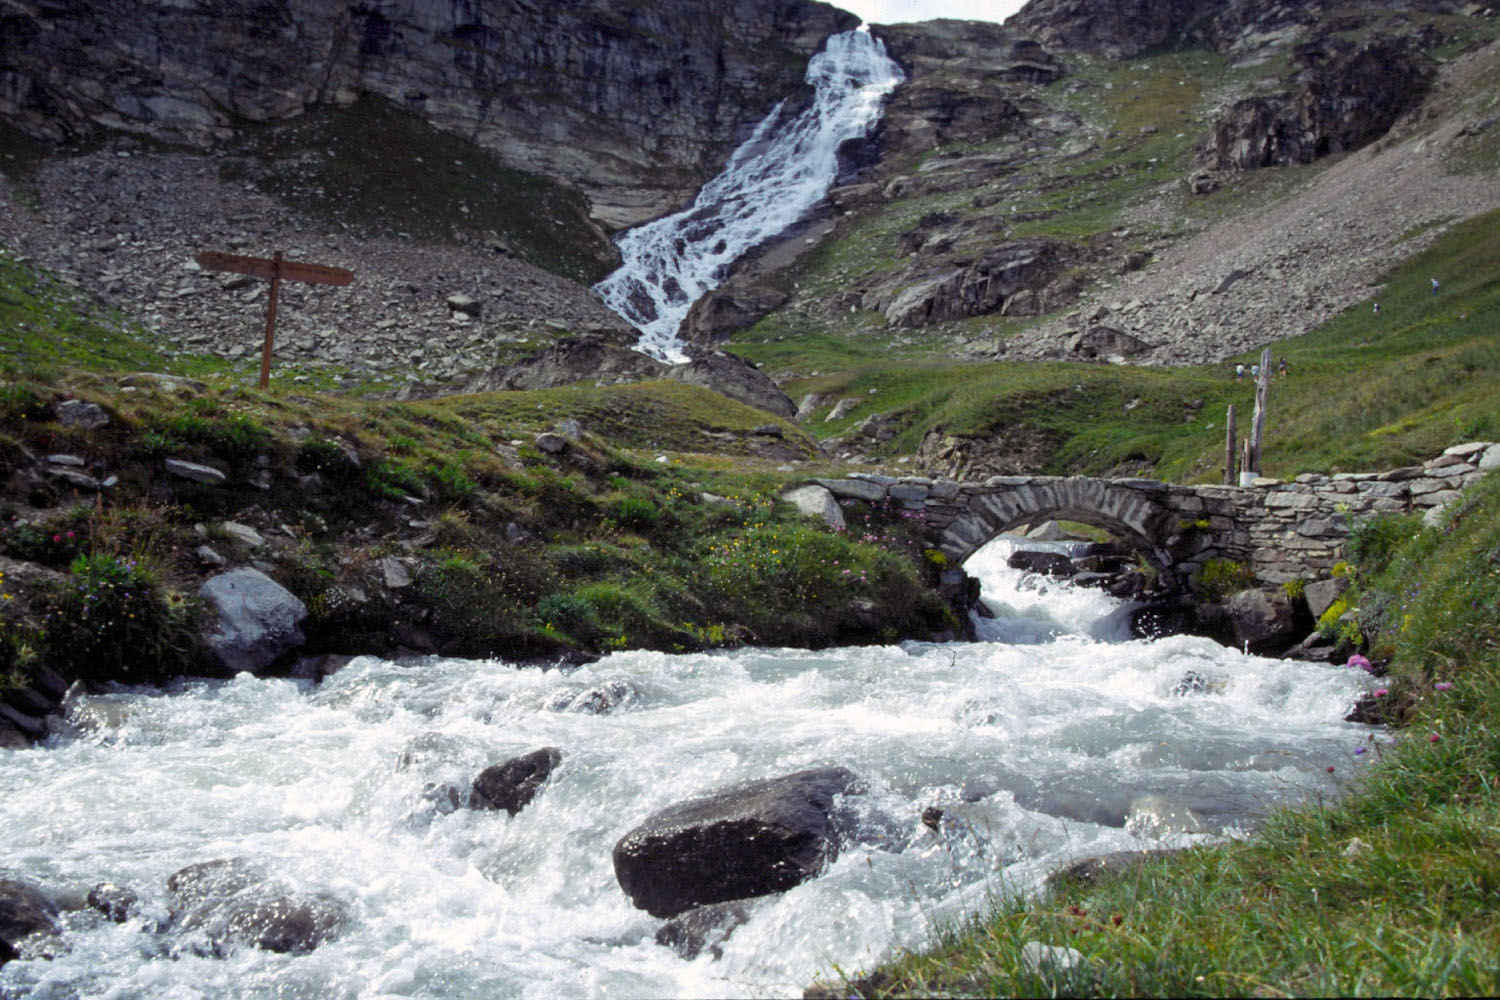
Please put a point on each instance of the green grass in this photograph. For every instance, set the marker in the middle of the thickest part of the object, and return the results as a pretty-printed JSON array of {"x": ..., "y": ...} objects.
[
  {"x": 1365, "y": 391},
  {"x": 1395, "y": 890}
]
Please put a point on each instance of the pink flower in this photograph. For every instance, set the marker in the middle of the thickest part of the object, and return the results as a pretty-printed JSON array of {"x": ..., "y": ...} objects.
[
  {"x": 1356, "y": 660},
  {"x": 1442, "y": 686},
  {"x": 1433, "y": 738},
  {"x": 1382, "y": 692},
  {"x": 57, "y": 538}
]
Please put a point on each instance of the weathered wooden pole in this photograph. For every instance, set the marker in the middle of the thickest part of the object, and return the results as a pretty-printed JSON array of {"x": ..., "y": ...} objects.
[
  {"x": 1258, "y": 421},
  {"x": 265, "y": 351},
  {"x": 1230, "y": 465},
  {"x": 275, "y": 269}
]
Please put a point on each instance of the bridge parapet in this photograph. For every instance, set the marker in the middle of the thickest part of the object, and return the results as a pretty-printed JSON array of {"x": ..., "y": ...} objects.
[{"x": 1282, "y": 530}]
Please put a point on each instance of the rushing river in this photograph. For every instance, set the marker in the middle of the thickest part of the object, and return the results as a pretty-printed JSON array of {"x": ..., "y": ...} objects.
[{"x": 1056, "y": 738}]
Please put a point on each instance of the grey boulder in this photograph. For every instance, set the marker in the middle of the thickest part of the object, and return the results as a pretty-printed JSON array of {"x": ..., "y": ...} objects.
[
  {"x": 746, "y": 840},
  {"x": 257, "y": 620}
]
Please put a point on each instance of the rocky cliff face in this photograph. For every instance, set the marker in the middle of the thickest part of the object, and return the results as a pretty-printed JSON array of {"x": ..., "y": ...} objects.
[
  {"x": 1243, "y": 28},
  {"x": 632, "y": 103}
]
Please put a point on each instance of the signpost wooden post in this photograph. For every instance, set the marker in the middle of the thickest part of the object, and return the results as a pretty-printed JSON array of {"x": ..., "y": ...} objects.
[{"x": 276, "y": 270}]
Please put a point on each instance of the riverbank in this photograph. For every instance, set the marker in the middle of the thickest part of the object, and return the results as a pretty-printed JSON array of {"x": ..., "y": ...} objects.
[
  {"x": 1391, "y": 890},
  {"x": 523, "y": 525}
]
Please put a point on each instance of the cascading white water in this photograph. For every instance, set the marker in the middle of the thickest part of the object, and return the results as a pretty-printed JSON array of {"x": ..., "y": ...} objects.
[
  {"x": 1037, "y": 751},
  {"x": 770, "y": 182}
]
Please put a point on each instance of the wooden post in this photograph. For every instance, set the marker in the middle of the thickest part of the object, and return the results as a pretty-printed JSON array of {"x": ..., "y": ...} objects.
[
  {"x": 1230, "y": 465},
  {"x": 1258, "y": 421},
  {"x": 276, "y": 270},
  {"x": 265, "y": 352}
]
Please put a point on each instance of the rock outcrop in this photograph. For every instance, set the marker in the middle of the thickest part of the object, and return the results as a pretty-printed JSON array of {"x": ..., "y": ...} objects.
[
  {"x": 1344, "y": 96},
  {"x": 632, "y": 104},
  {"x": 747, "y": 840}
]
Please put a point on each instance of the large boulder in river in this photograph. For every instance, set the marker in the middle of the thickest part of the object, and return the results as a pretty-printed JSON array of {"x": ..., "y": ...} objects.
[
  {"x": 750, "y": 839},
  {"x": 232, "y": 902},
  {"x": 513, "y": 784},
  {"x": 26, "y": 915},
  {"x": 1053, "y": 564},
  {"x": 257, "y": 620},
  {"x": 1263, "y": 620}
]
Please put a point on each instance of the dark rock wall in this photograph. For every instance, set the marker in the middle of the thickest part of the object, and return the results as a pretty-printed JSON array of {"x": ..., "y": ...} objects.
[{"x": 633, "y": 103}]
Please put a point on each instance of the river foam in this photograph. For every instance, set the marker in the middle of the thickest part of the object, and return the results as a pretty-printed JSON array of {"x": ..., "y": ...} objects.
[{"x": 1035, "y": 751}]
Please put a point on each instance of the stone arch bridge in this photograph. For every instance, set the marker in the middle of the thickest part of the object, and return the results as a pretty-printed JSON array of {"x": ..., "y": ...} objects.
[{"x": 1281, "y": 530}]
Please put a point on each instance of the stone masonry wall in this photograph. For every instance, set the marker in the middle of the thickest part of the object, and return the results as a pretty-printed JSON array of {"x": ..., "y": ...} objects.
[{"x": 1281, "y": 530}]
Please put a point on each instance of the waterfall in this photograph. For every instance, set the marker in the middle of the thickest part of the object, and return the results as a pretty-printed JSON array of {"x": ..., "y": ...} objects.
[{"x": 770, "y": 182}]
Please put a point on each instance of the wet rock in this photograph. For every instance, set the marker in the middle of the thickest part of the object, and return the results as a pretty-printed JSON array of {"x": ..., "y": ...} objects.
[
  {"x": 704, "y": 928},
  {"x": 232, "y": 902},
  {"x": 116, "y": 902},
  {"x": 257, "y": 620},
  {"x": 1053, "y": 564},
  {"x": 746, "y": 840},
  {"x": 513, "y": 784},
  {"x": 27, "y": 917},
  {"x": 1262, "y": 619},
  {"x": 595, "y": 701}
]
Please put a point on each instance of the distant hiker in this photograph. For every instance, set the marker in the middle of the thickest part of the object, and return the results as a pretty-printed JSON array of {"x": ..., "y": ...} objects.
[
  {"x": 1239, "y": 371},
  {"x": 1255, "y": 371},
  {"x": 1434, "y": 286},
  {"x": 1281, "y": 367},
  {"x": 1377, "y": 309}
]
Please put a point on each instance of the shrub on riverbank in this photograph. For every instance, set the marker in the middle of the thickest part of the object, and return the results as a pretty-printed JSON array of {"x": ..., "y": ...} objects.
[{"x": 1394, "y": 890}]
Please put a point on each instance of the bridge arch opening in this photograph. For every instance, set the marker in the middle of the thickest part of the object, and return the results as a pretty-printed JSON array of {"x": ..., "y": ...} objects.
[{"x": 1008, "y": 508}]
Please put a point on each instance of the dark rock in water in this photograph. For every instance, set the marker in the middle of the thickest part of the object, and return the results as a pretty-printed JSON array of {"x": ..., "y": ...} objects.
[
  {"x": 1191, "y": 682},
  {"x": 1158, "y": 621},
  {"x": 1051, "y": 564},
  {"x": 705, "y": 928},
  {"x": 511, "y": 785},
  {"x": 231, "y": 901},
  {"x": 1316, "y": 648},
  {"x": 25, "y": 912},
  {"x": 746, "y": 840},
  {"x": 595, "y": 701},
  {"x": 210, "y": 879},
  {"x": 116, "y": 902},
  {"x": 1262, "y": 619},
  {"x": 276, "y": 922}
]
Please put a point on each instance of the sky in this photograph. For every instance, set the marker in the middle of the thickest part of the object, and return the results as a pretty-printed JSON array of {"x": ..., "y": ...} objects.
[{"x": 897, "y": 11}]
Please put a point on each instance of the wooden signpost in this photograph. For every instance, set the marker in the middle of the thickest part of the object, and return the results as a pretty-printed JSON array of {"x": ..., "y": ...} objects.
[{"x": 276, "y": 271}]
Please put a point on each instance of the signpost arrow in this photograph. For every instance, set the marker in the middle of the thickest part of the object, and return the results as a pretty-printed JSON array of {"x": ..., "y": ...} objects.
[{"x": 276, "y": 271}]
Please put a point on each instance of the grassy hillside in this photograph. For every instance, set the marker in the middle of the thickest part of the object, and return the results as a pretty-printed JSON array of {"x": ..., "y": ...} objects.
[
  {"x": 1367, "y": 391},
  {"x": 658, "y": 526}
]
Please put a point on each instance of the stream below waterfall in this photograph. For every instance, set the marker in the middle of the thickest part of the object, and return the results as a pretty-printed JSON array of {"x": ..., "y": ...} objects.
[{"x": 1057, "y": 737}]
